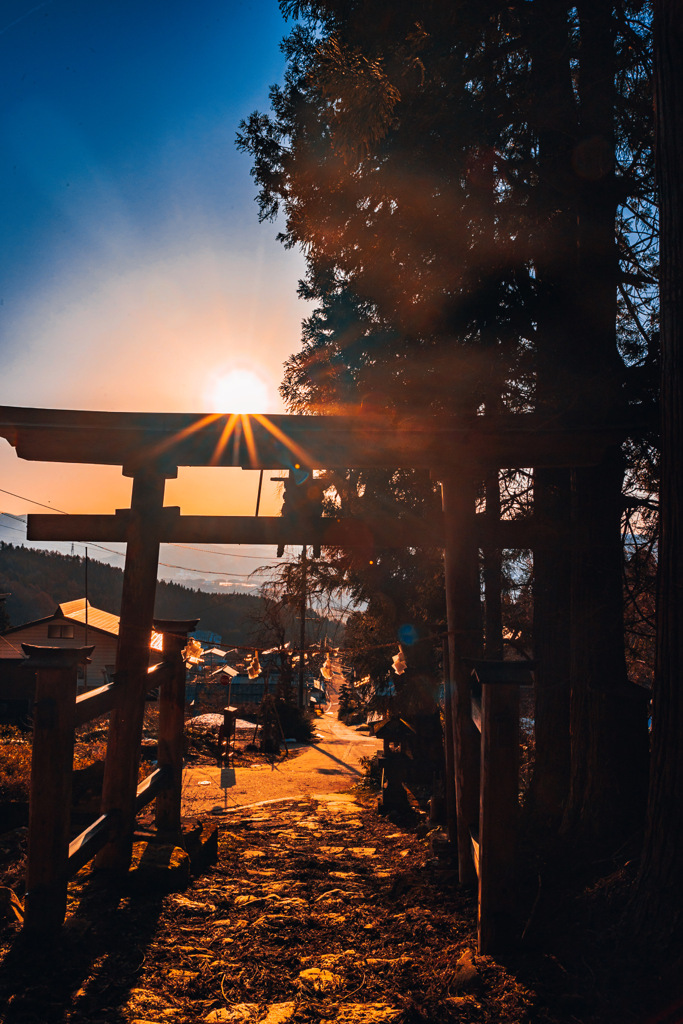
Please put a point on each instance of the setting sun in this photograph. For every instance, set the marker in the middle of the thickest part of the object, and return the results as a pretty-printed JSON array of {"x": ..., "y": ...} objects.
[{"x": 238, "y": 391}]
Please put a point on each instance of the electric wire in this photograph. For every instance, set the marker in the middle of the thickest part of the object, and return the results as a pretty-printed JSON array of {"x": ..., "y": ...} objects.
[{"x": 166, "y": 565}]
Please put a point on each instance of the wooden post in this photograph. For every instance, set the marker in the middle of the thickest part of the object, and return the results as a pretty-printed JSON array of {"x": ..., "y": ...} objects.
[
  {"x": 499, "y": 806},
  {"x": 172, "y": 722},
  {"x": 226, "y": 736},
  {"x": 464, "y": 633},
  {"x": 302, "y": 634},
  {"x": 493, "y": 575},
  {"x": 54, "y": 721},
  {"x": 449, "y": 780},
  {"x": 498, "y": 814},
  {"x": 132, "y": 660}
]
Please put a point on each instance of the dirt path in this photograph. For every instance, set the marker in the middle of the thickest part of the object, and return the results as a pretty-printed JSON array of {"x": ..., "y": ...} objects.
[
  {"x": 307, "y": 910},
  {"x": 330, "y": 766},
  {"x": 315, "y": 911}
]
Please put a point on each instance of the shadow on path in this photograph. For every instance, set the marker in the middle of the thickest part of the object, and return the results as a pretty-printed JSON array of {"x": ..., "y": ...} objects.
[
  {"x": 344, "y": 764},
  {"x": 86, "y": 971}
]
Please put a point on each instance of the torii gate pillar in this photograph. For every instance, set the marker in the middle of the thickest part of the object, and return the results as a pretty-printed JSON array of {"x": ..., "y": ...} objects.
[{"x": 143, "y": 537}]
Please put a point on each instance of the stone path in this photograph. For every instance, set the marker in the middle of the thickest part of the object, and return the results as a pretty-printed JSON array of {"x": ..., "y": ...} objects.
[
  {"x": 311, "y": 914},
  {"x": 316, "y": 910}
]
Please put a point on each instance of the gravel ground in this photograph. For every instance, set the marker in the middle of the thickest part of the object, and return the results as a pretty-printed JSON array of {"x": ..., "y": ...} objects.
[{"x": 316, "y": 910}]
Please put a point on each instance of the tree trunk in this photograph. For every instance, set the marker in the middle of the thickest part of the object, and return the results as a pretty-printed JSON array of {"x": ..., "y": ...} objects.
[
  {"x": 551, "y": 629},
  {"x": 608, "y": 715},
  {"x": 659, "y": 894},
  {"x": 556, "y": 304}
]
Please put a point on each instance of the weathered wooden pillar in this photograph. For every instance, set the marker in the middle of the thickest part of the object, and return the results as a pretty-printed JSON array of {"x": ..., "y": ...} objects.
[
  {"x": 132, "y": 661},
  {"x": 302, "y": 632},
  {"x": 54, "y": 721},
  {"x": 449, "y": 780},
  {"x": 498, "y": 813},
  {"x": 172, "y": 721},
  {"x": 493, "y": 574},
  {"x": 464, "y": 632}
]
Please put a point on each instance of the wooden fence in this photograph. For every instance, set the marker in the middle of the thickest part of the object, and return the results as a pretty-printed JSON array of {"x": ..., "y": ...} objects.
[{"x": 53, "y": 857}]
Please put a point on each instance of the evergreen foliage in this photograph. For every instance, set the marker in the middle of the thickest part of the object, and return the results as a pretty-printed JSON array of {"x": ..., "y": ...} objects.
[
  {"x": 472, "y": 186},
  {"x": 350, "y": 709}
]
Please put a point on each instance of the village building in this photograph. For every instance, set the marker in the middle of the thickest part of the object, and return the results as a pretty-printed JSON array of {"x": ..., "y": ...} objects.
[{"x": 72, "y": 624}]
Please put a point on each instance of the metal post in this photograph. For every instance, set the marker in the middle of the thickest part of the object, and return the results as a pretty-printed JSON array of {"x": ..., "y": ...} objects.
[
  {"x": 493, "y": 575},
  {"x": 258, "y": 495}
]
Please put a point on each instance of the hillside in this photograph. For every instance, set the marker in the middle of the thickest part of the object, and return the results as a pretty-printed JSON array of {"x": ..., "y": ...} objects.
[{"x": 37, "y": 581}]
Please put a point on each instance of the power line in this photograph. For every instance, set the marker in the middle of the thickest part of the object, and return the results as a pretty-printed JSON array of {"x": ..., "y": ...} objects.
[
  {"x": 166, "y": 565},
  {"x": 15, "y": 528},
  {"x": 212, "y": 572},
  {"x": 22, "y": 497},
  {"x": 208, "y": 551},
  {"x": 19, "y": 519}
]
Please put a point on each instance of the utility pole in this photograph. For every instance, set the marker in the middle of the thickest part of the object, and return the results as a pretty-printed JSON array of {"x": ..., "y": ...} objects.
[{"x": 302, "y": 635}]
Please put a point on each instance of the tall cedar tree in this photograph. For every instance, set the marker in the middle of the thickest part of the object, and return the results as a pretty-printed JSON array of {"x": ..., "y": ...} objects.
[
  {"x": 451, "y": 172},
  {"x": 659, "y": 898}
]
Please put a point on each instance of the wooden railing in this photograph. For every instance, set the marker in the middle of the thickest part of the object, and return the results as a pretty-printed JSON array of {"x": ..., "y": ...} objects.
[
  {"x": 53, "y": 857},
  {"x": 495, "y": 713}
]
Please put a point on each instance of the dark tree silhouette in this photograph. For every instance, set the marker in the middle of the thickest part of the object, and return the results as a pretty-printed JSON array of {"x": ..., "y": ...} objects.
[
  {"x": 659, "y": 899},
  {"x": 470, "y": 185}
]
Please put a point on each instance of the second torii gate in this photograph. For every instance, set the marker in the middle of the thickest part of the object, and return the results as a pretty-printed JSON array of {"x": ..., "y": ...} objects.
[{"x": 150, "y": 447}]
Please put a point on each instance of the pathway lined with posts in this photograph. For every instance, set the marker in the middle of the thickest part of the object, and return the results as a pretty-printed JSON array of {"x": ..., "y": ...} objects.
[{"x": 333, "y": 764}]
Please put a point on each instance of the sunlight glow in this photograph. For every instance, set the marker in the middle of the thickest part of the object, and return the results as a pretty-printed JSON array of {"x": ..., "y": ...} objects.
[
  {"x": 294, "y": 448},
  {"x": 226, "y": 434},
  {"x": 239, "y": 391}
]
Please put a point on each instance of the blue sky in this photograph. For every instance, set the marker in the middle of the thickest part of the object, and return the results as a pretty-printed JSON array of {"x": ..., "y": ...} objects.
[
  {"x": 134, "y": 273},
  {"x": 121, "y": 116}
]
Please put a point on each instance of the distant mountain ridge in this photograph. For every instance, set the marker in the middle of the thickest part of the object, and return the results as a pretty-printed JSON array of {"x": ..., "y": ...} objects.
[{"x": 37, "y": 581}]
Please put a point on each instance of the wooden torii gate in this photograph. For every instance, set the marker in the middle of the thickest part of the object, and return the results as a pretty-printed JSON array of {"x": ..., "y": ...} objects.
[{"x": 151, "y": 446}]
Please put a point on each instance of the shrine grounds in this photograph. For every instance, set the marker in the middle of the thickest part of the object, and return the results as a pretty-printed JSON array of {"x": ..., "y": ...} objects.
[{"x": 315, "y": 908}]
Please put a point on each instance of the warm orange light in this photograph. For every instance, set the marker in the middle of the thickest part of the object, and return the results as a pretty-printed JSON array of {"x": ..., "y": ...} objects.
[
  {"x": 199, "y": 424},
  {"x": 239, "y": 390},
  {"x": 223, "y": 439},
  {"x": 249, "y": 438},
  {"x": 295, "y": 449}
]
